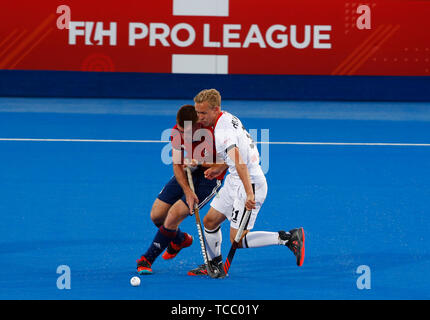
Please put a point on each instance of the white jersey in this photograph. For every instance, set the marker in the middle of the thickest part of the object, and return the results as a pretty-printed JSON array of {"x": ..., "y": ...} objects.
[{"x": 229, "y": 133}]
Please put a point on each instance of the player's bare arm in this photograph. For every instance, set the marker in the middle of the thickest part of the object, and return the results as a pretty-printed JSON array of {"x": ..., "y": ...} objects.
[
  {"x": 214, "y": 170},
  {"x": 182, "y": 180}
]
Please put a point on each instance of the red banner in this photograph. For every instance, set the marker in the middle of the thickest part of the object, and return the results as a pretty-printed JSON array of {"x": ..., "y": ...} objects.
[{"x": 307, "y": 37}]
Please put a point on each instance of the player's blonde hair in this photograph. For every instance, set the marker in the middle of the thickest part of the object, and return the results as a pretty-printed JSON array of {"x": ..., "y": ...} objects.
[{"x": 211, "y": 96}]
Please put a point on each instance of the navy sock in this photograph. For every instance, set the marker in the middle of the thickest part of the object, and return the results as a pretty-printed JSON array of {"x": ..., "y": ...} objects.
[
  {"x": 180, "y": 236},
  {"x": 160, "y": 242}
]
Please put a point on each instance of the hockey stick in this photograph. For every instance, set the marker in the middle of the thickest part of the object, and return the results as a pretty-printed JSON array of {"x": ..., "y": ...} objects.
[
  {"x": 237, "y": 239},
  {"x": 209, "y": 269}
]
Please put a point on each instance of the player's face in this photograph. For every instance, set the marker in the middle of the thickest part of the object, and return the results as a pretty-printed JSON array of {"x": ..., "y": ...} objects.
[{"x": 207, "y": 115}]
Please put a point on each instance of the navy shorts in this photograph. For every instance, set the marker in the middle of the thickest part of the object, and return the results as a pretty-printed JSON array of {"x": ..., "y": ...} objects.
[{"x": 205, "y": 189}]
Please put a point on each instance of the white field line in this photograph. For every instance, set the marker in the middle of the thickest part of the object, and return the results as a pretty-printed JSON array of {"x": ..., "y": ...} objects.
[{"x": 261, "y": 142}]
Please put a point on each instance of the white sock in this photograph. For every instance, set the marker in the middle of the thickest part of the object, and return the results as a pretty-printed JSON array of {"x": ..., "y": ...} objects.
[
  {"x": 213, "y": 242},
  {"x": 261, "y": 239}
]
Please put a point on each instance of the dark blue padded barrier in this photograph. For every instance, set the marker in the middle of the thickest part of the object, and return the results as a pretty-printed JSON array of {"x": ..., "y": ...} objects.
[{"x": 17, "y": 83}]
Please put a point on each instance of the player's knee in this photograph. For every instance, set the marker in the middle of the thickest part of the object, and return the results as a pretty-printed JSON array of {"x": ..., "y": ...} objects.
[
  {"x": 207, "y": 222},
  {"x": 158, "y": 222},
  {"x": 213, "y": 219},
  {"x": 159, "y": 212},
  {"x": 210, "y": 223},
  {"x": 157, "y": 218}
]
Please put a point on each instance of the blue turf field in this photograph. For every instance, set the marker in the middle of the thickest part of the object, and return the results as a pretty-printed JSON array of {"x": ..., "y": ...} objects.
[{"x": 86, "y": 204}]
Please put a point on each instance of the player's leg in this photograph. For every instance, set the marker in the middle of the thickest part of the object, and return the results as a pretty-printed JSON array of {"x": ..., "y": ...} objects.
[
  {"x": 213, "y": 239},
  {"x": 256, "y": 239},
  {"x": 170, "y": 193},
  {"x": 159, "y": 212},
  {"x": 213, "y": 235},
  {"x": 239, "y": 211},
  {"x": 221, "y": 206},
  {"x": 294, "y": 239},
  {"x": 159, "y": 243},
  {"x": 177, "y": 213},
  {"x": 169, "y": 235},
  {"x": 205, "y": 190}
]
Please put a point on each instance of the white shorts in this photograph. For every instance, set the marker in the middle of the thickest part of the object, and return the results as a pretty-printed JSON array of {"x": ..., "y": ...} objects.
[{"x": 230, "y": 201}]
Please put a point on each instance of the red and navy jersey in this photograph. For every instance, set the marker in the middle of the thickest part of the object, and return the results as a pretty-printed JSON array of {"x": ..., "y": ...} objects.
[{"x": 203, "y": 145}]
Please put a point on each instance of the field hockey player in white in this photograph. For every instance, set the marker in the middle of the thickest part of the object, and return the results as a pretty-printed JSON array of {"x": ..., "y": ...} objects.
[{"x": 245, "y": 188}]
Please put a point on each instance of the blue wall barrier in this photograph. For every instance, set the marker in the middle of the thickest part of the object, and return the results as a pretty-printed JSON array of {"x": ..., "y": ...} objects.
[{"x": 14, "y": 83}]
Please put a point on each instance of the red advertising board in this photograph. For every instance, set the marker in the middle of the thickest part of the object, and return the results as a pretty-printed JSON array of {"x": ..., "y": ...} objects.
[{"x": 307, "y": 37}]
